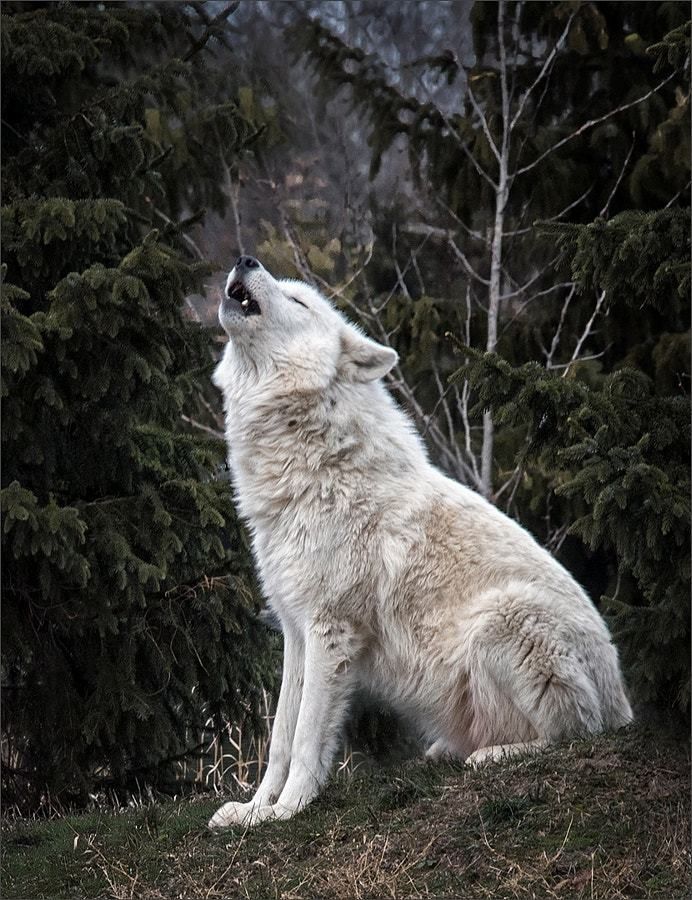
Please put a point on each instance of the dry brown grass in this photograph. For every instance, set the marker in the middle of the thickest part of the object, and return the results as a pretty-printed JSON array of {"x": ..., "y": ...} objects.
[{"x": 599, "y": 820}]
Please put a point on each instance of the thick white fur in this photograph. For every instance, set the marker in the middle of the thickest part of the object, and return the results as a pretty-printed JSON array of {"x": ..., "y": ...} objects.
[{"x": 384, "y": 572}]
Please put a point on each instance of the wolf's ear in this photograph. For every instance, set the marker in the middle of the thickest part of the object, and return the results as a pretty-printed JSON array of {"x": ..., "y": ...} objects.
[{"x": 362, "y": 359}]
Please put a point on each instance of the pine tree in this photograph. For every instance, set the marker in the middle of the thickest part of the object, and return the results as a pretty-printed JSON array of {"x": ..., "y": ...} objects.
[{"x": 129, "y": 616}]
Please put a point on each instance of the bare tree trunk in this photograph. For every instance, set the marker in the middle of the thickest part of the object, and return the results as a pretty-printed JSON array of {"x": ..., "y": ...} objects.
[
  {"x": 494, "y": 300},
  {"x": 495, "y": 286}
]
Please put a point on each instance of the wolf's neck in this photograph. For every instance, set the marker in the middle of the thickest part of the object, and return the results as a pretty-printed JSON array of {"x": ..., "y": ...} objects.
[{"x": 284, "y": 444}]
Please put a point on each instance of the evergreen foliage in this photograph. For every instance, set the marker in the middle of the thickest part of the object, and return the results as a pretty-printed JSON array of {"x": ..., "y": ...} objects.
[{"x": 129, "y": 617}]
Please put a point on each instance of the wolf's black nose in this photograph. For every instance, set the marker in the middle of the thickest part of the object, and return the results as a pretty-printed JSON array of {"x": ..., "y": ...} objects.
[{"x": 247, "y": 262}]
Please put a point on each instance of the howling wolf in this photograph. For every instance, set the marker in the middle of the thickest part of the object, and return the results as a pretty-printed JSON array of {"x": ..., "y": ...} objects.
[{"x": 385, "y": 573}]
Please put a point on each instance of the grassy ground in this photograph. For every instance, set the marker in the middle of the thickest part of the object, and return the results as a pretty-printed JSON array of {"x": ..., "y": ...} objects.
[{"x": 603, "y": 819}]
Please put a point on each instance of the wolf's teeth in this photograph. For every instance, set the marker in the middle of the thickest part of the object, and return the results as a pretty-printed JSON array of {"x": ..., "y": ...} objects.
[{"x": 244, "y": 302}]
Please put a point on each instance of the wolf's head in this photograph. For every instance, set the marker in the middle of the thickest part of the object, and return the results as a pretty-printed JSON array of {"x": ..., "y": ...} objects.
[{"x": 288, "y": 325}]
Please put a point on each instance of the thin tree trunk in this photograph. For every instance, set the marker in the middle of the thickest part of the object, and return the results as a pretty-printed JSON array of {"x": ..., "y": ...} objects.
[
  {"x": 494, "y": 294},
  {"x": 495, "y": 286}
]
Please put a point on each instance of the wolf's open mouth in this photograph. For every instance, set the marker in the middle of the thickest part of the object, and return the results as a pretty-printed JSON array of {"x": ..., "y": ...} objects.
[{"x": 249, "y": 305}]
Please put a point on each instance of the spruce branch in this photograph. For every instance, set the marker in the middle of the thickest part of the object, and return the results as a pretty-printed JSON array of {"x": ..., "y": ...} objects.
[{"x": 213, "y": 28}]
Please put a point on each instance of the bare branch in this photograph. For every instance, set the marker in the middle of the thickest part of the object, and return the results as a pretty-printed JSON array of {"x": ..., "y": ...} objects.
[
  {"x": 186, "y": 237},
  {"x": 511, "y": 483},
  {"x": 413, "y": 259},
  {"x": 494, "y": 291},
  {"x": 484, "y": 122},
  {"x": 579, "y": 359},
  {"x": 233, "y": 192},
  {"x": 536, "y": 296},
  {"x": 448, "y": 457},
  {"x": 592, "y": 122},
  {"x": 202, "y": 427},
  {"x": 445, "y": 409},
  {"x": 463, "y": 408},
  {"x": 518, "y": 9},
  {"x": 487, "y": 453},
  {"x": 679, "y": 193},
  {"x": 503, "y": 75},
  {"x": 527, "y": 284},
  {"x": 558, "y": 331},
  {"x": 194, "y": 315},
  {"x": 467, "y": 324},
  {"x": 585, "y": 335},
  {"x": 604, "y": 211},
  {"x": 377, "y": 310},
  {"x": 448, "y": 235},
  {"x": 463, "y": 399},
  {"x": 461, "y": 256},
  {"x": 477, "y": 235},
  {"x": 397, "y": 267},
  {"x": 338, "y": 292},
  {"x": 547, "y": 65},
  {"x": 299, "y": 259},
  {"x": 457, "y": 137},
  {"x": 429, "y": 230},
  {"x": 556, "y": 216},
  {"x": 476, "y": 165}
]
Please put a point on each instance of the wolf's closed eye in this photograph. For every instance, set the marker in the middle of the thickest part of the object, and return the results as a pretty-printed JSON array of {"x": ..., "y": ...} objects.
[{"x": 300, "y": 302}]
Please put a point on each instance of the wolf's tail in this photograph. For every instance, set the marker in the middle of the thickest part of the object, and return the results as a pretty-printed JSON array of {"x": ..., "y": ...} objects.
[
  {"x": 607, "y": 678},
  {"x": 564, "y": 686}
]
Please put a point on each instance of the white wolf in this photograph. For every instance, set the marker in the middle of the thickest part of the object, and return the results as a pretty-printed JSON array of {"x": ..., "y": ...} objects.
[{"x": 383, "y": 572}]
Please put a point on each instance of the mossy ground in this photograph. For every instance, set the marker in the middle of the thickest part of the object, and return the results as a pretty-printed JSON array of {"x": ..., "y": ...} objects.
[{"x": 601, "y": 819}]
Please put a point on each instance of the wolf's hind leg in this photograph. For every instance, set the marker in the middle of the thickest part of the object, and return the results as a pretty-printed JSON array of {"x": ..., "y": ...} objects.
[{"x": 531, "y": 684}]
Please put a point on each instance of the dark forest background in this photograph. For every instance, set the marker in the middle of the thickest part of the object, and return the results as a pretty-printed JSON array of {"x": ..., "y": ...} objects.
[{"x": 501, "y": 191}]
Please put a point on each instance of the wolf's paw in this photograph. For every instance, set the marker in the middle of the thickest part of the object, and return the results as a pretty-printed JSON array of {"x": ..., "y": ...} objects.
[
  {"x": 246, "y": 814},
  {"x": 482, "y": 756},
  {"x": 503, "y": 752},
  {"x": 440, "y": 751}
]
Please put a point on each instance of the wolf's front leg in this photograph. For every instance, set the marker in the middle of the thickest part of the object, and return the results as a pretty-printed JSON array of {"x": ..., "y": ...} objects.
[
  {"x": 282, "y": 734},
  {"x": 330, "y": 655}
]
